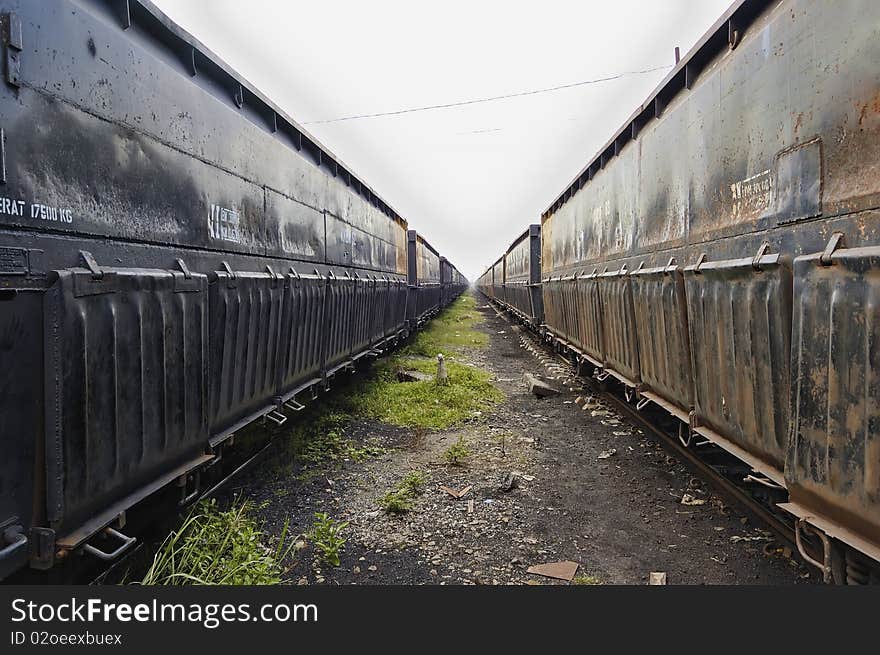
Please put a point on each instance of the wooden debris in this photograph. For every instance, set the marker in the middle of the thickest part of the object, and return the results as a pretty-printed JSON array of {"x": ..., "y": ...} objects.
[
  {"x": 657, "y": 578},
  {"x": 540, "y": 388},
  {"x": 559, "y": 570},
  {"x": 457, "y": 494}
]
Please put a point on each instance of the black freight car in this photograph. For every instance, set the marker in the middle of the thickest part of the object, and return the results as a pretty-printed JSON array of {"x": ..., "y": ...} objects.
[
  {"x": 424, "y": 279},
  {"x": 522, "y": 277},
  {"x": 452, "y": 282},
  {"x": 719, "y": 257},
  {"x": 177, "y": 258}
]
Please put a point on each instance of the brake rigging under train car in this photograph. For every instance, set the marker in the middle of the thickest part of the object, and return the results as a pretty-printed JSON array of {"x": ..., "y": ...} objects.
[{"x": 178, "y": 258}]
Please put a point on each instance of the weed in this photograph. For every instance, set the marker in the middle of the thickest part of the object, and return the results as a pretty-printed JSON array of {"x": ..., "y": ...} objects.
[
  {"x": 218, "y": 547},
  {"x": 318, "y": 441},
  {"x": 450, "y": 331},
  {"x": 396, "y": 502},
  {"x": 325, "y": 535},
  {"x": 424, "y": 404},
  {"x": 414, "y": 483},
  {"x": 457, "y": 452},
  {"x": 586, "y": 580}
]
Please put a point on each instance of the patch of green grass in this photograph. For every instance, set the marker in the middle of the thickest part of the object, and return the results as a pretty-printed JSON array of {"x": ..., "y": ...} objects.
[
  {"x": 323, "y": 441},
  {"x": 586, "y": 580},
  {"x": 218, "y": 547},
  {"x": 400, "y": 499},
  {"x": 414, "y": 483},
  {"x": 457, "y": 452},
  {"x": 451, "y": 331},
  {"x": 318, "y": 442},
  {"x": 424, "y": 404},
  {"x": 325, "y": 535},
  {"x": 396, "y": 502}
]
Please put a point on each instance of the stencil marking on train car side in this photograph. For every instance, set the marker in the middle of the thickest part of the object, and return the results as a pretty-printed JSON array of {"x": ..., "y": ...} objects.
[
  {"x": 35, "y": 210},
  {"x": 752, "y": 195},
  {"x": 223, "y": 224}
]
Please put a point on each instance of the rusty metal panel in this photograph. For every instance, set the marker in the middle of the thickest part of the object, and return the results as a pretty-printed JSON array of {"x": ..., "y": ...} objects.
[
  {"x": 126, "y": 355},
  {"x": 833, "y": 463},
  {"x": 186, "y": 148},
  {"x": 660, "y": 307},
  {"x": 245, "y": 331},
  {"x": 551, "y": 290},
  {"x": 588, "y": 308},
  {"x": 617, "y": 318},
  {"x": 522, "y": 275},
  {"x": 301, "y": 345},
  {"x": 739, "y": 320},
  {"x": 737, "y": 140}
]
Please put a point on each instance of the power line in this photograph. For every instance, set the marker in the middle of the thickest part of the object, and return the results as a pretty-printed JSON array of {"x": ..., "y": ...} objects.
[{"x": 476, "y": 101}]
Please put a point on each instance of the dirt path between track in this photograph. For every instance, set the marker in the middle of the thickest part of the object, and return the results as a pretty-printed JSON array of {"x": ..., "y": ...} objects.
[{"x": 619, "y": 516}]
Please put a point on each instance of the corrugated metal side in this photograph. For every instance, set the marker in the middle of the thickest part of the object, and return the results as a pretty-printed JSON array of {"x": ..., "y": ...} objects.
[
  {"x": 337, "y": 321},
  {"x": 589, "y": 309},
  {"x": 125, "y": 375},
  {"x": 395, "y": 318},
  {"x": 617, "y": 318},
  {"x": 302, "y": 332},
  {"x": 834, "y": 460},
  {"x": 245, "y": 331},
  {"x": 572, "y": 314},
  {"x": 660, "y": 308},
  {"x": 739, "y": 318},
  {"x": 21, "y": 408},
  {"x": 363, "y": 319}
]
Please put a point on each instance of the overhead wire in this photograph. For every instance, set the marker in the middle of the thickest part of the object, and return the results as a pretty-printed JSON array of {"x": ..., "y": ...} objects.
[{"x": 475, "y": 101}]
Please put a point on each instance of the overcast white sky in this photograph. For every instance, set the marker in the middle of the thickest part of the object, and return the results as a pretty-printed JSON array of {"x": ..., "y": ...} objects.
[{"x": 471, "y": 178}]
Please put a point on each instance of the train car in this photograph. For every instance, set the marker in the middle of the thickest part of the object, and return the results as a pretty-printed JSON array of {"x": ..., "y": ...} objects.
[
  {"x": 496, "y": 283},
  {"x": 719, "y": 258},
  {"x": 452, "y": 283},
  {"x": 459, "y": 283},
  {"x": 423, "y": 279},
  {"x": 522, "y": 277},
  {"x": 484, "y": 283},
  {"x": 178, "y": 258}
]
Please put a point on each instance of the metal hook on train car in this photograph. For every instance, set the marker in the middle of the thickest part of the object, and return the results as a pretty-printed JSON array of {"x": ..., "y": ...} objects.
[
  {"x": 623, "y": 269},
  {"x": 110, "y": 532},
  {"x": 91, "y": 264},
  {"x": 182, "y": 481},
  {"x": 762, "y": 250},
  {"x": 690, "y": 434},
  {"x": 276, "y": 417},
  {"x": 187, "y": 274},
  {"x": 670, "y": 266},
  {"x": 824, "y": 566},
  {"x": 700, "y": 260},
  {"x": 640, "y": 266},
  {"x": 294, "y": 405},
  {"x": 763, "y": 481},
  {"x": 643, "y": 402},
  {"x": 833, "y": 244},
  {"x": 602, "y": 375},
  {"x": 628, "y": 394}
]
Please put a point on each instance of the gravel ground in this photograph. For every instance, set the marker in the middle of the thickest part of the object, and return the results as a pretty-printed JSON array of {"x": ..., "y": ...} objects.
[{"x": 588, "y": 488}]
